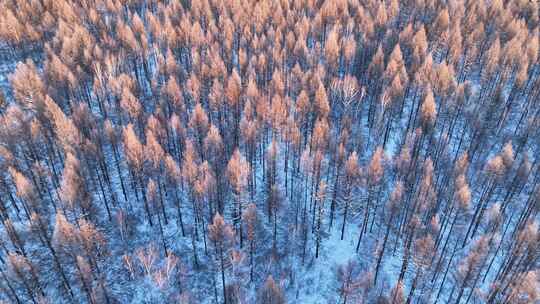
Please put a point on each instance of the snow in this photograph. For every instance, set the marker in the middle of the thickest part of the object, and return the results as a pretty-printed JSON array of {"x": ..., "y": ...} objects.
[{"x": 322, "y": 275}]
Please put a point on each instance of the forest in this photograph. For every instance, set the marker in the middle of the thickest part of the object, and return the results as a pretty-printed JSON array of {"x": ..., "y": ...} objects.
[{"x": 269, "y": 151}]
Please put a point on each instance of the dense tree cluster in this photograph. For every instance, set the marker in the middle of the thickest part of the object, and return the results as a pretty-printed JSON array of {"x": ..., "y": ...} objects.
[{"x": 212, "y": 151}]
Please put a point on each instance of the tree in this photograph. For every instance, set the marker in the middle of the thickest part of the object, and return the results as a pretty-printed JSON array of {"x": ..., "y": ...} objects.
[
  {"x": 319, "y": 203},
  {"x": 94, "y": 250},
  {"x": 113, "y": 137},
  {"x": 374, "y": 176},
  {"x": 396, "y": 294},
  {"x": 134, "y": 151},
  {"x": 424, "y": 248},
  {"x": 66, "y": 239},
  {"x": 251, "y": 221},
  {"x": 238, "y": 172},
  {"x": 348, "y": 278},
  {"x": 131, "y": 106},
  {"x": 199, "y": 124},
  {"x": 428, "y": 111},
  {"x": 3, "y": 101},
  {"x": 73, "y": 189},
  {"x": 339, "y": 159},
  {"x": 331, "y": 48},
  {"x": 151, "y": 190},
  {"x": 232, "y": 91},
  {"x": 222, "y": 236},
  {"x": 461, "y": 205},
  {"x": 392, "y": 209},
  {"x": 25, "y": 190},
  {"x": 274, "y": 202},
  {"x": 25, "y": 272},
  {"x": 470, "y": 265},
  {"x": 351, "y": 175},
  {"x": 28, "y": 87},
  {"x": 173, "y": 179},
  {"x": 322, "y": 107},
  {"x": 236, "y": 287},
  {"x": 271, "y": 293},
  {"x": 154, "y": 154}
]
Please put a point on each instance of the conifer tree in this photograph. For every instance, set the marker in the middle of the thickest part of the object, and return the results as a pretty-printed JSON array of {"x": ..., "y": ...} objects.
[
  {"x": 271, "y": 293},
  {"x": 348, "y": 277},
  {"x": 222, "y": 236},
  {"x": 251, "y": 221},
  {"x": 238, "y": 172},
  {"x": 351, "y": 178}
]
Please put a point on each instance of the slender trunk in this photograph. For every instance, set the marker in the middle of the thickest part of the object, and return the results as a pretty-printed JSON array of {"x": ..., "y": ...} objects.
[
  {"x": 413, "y": 287},
  {"x": 161, "y": 201},
  {"x": 14, "y": 294},
  {"x": 251, "y": 261},
  {"x": 83, "y": 282},
  {"x": 145, "y": 201},
  {"x": 117, "y": 163},
  {"x": 221, "y": 260},
  {"x": 347, "y": 203},
  {"x": 462, "y": 287},
  {"x": 163, "y": 241},
  {"x": 179, "y": 210},
  {"x": 334, "y": 195},
  {"x": 194, "y": 247},
  {"x": 446, "y": 272},
  {"x": 381, "y": 254},
  {"x": 366, "y": 218},
  {"x": 275, "y": 231}
]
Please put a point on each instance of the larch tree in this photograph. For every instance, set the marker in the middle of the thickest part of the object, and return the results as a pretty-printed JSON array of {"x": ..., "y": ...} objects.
[
  {"x": 153, "y": 202},
  {"x": 232, "y": 92},
  {"x": 424, "y": 248},
  {"x": 73, "y": 190},
  {"x": 199, "y": 124},
  {"x": 222, "y": 236},
  {"x": 238, "y": 173},
  {"x": 271, "y": 293},
  {"x": 173, "y": 180},
  {"x": 24, "y": 271},
  {"x": 349, "y": 281},
  {"x": 214, "y": 149},
  {"x": 397, "y": 294},
  {"x": 392, "y": 209},
  {"x": 319, "y": 205},
  {"x": 428, "y": 111},
  {"x": 352, "y": 173},
  {"x": 134, "y": 151},
  {"x": 65, "y": 239},
  {"x": 251, "y": 221},
  {"x": 470, "y": 265},
  {"x": 113, "y": 137},
  {"x": 375, "y": 173},
  {"x": 339, "y": 160},
  {"x": 154, "y": 154}
]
